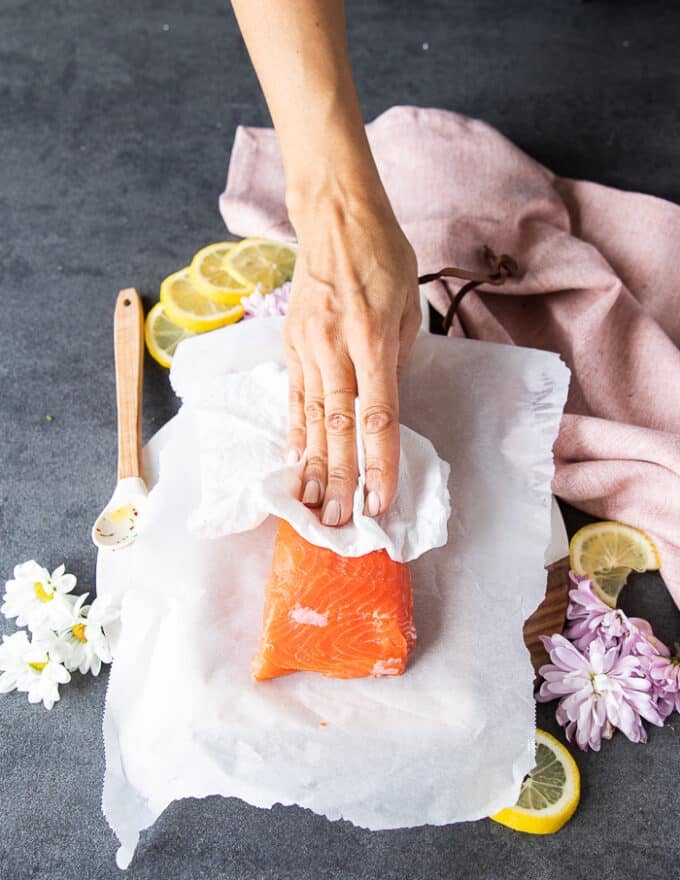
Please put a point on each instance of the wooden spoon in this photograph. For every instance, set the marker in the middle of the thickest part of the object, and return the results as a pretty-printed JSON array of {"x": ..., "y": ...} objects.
[{"x": 117, "y": 524}]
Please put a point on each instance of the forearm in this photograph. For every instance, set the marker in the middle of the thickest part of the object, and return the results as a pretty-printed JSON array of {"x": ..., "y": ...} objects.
[{"x": 299, "y": 51}]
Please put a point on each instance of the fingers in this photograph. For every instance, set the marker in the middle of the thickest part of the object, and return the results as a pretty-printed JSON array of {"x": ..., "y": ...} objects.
[
  {"x": 297, "y": 425},
  {"x": 339, "y": 394},
  {"x": 325, "y": 377},
  {"x": 379, "y": 407},
  {"x": 322, "y": 418},
  {"x": 314, "y": 477}
]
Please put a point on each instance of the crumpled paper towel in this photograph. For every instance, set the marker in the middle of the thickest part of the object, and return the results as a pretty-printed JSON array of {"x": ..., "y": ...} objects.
[
  {"x": 452, "y": 739},
  {"x": 241, "y": 419}
]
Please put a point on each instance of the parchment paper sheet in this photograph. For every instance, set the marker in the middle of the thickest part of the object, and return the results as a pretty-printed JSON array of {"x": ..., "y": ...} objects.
[{"x": 450, "y": 740}]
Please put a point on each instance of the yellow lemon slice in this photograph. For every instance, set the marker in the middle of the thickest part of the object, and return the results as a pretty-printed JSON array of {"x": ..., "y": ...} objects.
[
  {"x": 607, "y": 552},
  {"x": 187, "y": 308},
  {"x": 210, "y": 275},
  {"x": 549, "y": 794},
  {"x": 162, "y": 336},
  {"x": 257, "y": 261}
]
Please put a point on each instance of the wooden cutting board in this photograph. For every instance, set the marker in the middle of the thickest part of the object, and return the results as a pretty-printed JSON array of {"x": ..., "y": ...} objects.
[{"x": 550, "y": 615}]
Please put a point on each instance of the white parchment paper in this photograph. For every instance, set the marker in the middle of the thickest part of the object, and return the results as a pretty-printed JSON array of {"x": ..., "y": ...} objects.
[{"x": 450, "y": 740}]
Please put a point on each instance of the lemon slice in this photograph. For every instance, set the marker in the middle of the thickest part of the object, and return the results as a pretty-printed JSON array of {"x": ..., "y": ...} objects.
[
  {"x": 607, "y": 552},
  {"x": 549, "y": 794},
  {"x": 187, "y": 308},
  {"x": 162, "y": 336},
  {"x": 210, "y": 275},
  {"x": 257, "y": 261}
]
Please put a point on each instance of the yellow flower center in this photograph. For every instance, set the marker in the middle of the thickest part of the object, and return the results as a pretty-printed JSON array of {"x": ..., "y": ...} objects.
[
  {"x": 78, "y": 630},
  {"x": 41, "y": 593},
  {"x": 38, "y": 666}
]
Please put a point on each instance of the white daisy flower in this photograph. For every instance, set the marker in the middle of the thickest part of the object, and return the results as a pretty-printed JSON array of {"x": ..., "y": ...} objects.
[
  {"x": 12, "y": 664},
  {"x": 34, "y": 668},
  {"x": 37, "y": 598},
  {"x": 84, "y": 638}
]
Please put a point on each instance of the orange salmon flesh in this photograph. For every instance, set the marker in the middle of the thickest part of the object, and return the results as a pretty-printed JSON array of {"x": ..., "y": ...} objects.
[{"x": 344, "y": 617}]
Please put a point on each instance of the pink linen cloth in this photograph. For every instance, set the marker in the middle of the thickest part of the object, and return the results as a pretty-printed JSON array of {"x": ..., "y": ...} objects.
[{"x": 600, "y": 284}]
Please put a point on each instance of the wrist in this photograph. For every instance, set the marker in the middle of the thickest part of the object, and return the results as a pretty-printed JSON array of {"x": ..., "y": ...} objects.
[{"x": 339, "y": 179}]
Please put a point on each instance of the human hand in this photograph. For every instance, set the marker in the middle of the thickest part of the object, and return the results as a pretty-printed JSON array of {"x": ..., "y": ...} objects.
[
  {"x": 353, "y": 316},
  {"x": 354, "y": 306}
]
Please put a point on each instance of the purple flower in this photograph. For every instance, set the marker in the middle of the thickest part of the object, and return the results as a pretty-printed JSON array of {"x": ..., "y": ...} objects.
[
  {"x": 664, "y": 674},
  {"x": 598, "y": 690},
  {"x": 592, "y": 619},
  {"x": 615, "y": 673},
  {"x": 259, "y": 305},
  {"x": 645, "y": 644},
  {"x": 661, "y": 669}
]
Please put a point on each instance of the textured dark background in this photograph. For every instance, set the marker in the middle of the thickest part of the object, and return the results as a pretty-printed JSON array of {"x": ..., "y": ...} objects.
[{"x": 116, "y": 121}]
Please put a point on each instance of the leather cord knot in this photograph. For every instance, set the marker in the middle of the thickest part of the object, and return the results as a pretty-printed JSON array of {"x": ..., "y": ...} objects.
[{"x": 500, "y": 268}]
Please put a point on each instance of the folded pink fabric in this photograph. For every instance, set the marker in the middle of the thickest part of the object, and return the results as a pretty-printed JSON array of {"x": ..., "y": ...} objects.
[{"x": 600, "y": 285}]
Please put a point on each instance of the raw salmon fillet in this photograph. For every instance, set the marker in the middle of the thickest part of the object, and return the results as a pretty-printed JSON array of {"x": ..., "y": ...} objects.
[{"x": 345, "y": 617}]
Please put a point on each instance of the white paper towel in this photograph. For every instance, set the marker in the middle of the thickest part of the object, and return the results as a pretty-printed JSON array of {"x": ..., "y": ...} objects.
[
  {"x": 241, "y": 420},
  {"x": 450, "y": 740}
]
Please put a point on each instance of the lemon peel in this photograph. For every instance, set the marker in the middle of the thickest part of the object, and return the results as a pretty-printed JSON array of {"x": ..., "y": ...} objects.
[{"x": 550, "y": 793}]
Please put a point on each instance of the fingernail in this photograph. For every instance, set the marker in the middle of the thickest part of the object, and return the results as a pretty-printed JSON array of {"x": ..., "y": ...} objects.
[
  {"x": 331, "y": 515},
  {"x": 372, "y": 504},
  {"x": 293, "y": 456},
  {"x": 312, "y": 493}
]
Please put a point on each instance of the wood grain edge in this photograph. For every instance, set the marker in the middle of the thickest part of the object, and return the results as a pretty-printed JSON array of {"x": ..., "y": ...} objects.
[{"x": 550, "y": 615}]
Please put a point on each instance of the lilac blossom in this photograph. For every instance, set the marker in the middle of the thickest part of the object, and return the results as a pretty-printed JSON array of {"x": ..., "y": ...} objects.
[
  {"x": 661, "y": 668},
  {"x": 591, "y": 618},
  {"x": 267, "y": 305},
  {"x": 664, "y": 673},
  {"x": 599, "y": 689}
]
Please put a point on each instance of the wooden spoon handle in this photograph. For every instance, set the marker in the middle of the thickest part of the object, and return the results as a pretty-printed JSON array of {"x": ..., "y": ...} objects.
[{"x": 128, "y": 322}]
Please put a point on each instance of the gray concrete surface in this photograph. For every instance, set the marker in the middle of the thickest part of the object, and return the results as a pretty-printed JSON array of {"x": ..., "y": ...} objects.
[{"x": 116, "y": 122}]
